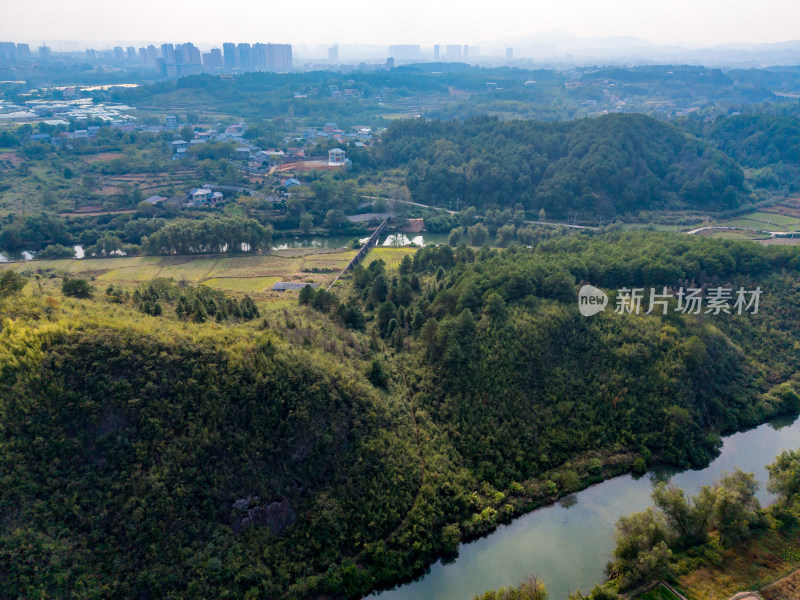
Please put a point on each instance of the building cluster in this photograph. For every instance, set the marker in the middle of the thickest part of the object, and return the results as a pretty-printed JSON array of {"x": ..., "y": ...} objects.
[
  {"x": 11, "y": 52},
  {"x": 176, "y": 60}
]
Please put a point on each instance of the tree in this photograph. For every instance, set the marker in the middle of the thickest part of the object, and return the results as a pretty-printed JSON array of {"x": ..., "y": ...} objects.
[
  {"x": 11, "y": 282},
  {"x": 376, "y": 374},
  {"x": 145, "y": 209},
  {"x": 735, "y": 506},
  {"x": 306, "y": 223},
  {"x": 335, "y": 219},
  {"x": 532, "y": 589},
  {"x": 641, "y": 553},
  {"x": 77, "y": 288},
  {"x": 186, "y": 133},
  {"x": 542, "y": 215},
  {"x": 306, "y": 294},
  {"x": 784, "y": 476},
  {"x": 57, "y": 251},
  {"x": 688, "y": 519},
  {"x": 478, "y": 235}
]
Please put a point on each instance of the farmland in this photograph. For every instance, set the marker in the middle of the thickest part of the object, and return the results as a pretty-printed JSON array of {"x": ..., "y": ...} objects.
[
  {"x": 254, "y": 275},
  {"x": 765, "y": 221}
]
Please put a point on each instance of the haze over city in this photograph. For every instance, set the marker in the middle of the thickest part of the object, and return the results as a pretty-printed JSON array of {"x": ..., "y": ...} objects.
[{"x": 684, "y": 22}]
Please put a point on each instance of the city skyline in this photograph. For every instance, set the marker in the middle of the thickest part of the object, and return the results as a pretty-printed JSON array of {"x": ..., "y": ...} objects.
[{"x": 682, "y": 22}]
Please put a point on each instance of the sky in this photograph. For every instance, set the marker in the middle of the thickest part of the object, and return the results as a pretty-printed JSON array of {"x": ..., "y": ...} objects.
[{"x": 381, "y": 22}]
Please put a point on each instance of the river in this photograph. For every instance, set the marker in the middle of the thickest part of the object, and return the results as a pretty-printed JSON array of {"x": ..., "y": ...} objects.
[
  {"x": 319, "y": 242},
  {"x": 567, "y": 546},
  {"x": 420, "y": 239}
]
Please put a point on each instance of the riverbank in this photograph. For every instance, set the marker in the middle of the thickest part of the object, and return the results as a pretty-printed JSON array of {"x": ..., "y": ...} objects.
[
  {"x": 566, "y": 539},
  {"x": 761, "y": 563}
]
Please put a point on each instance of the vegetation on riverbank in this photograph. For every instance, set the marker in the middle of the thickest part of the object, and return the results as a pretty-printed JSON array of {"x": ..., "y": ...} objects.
[{"x": 716, "y": 543}]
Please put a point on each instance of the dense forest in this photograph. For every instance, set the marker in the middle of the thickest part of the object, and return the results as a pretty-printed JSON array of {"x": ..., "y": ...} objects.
[
  {"x": 766, "y": 142},
  {"x": 610, "y": 165},
  {"x": 344, "y": 442}
]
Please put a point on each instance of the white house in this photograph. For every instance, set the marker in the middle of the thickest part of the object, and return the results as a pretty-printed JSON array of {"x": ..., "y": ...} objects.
[{"x": 336, "y": 156}]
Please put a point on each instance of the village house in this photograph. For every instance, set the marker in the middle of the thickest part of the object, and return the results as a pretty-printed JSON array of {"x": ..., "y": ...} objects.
[
  {"x": 290, "y": 183},
  {"x": 204, "y": 196},
  {"x": 336, "y": 157}
]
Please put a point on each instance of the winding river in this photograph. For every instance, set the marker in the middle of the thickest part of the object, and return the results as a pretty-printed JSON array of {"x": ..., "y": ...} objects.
[{"x": 567, "y": 545}]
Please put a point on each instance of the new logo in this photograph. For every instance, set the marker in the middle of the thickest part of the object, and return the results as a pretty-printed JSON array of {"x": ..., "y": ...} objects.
[{"x": 591, "y": 300}]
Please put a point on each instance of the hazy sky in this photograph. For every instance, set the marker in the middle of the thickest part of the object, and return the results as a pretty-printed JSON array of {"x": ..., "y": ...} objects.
[{"x": 696, "y": 22}]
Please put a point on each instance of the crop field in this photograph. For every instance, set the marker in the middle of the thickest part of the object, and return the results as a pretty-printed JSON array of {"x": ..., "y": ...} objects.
[
  {"x": 254, "y": 275},
  {"x": 391, "y": 256},
  {"x": 270, "y": 265},
  {"x": 335, "y": 261}
]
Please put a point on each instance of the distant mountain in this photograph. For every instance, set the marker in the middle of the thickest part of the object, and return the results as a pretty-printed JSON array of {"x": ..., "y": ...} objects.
[{"x": 567, "y": 47}]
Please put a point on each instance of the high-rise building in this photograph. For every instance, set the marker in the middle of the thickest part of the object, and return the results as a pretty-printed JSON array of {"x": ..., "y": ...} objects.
[
  {"x": 453, "y": 51},
  {"x": 213, "y": 59},
  {"x": 405, "y": 51},
  {"x": 187, "y": 54},
  {"x": 279, "y": 57},
  {"x": 244, "y": 55},
  {"x": 143, "y": 55},
  {"x": 91, "y": 54},
  {"x": 168, "y": 53},
  {"x": 119, "y": 53},
  {"x": 333, "y": 53},
  {"x": 509, "y": 53},
  {"x": 436, "y": 52},
  {"x": 8, "y": 51},
  {"x": 258, "y": 55},
  {"x": 44, "y": 51},
  {"x": 23, "y": 52},
  {"x": 131, "y": 53},
  {"x": 229, "y": 54},
  {"x": 152, "y": 55}
]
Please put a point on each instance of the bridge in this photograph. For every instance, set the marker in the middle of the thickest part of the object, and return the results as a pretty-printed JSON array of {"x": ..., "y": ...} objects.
[{"x": 363, "y": 251}]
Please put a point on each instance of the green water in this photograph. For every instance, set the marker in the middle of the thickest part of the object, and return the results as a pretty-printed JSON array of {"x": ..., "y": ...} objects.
[{"x": 568, "y": 546}]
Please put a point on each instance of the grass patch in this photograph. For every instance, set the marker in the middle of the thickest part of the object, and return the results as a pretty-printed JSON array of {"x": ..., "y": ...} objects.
[
  {"x": 751, "y": 566},
  {"x": 257, "y": 266},
  {"x": 733, "y": 235},
  {"x": 764, "y": 220},
  {"x": 250, "y": 285}
]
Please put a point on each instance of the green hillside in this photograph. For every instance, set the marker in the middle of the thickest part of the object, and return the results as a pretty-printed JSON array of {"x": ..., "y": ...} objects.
[
  {"x": 600, "y": 167},
  {"x": 339, "y": 445}
]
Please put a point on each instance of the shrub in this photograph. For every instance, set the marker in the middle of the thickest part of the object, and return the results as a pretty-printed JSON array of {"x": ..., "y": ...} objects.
[{"x": 77, "y": 288}]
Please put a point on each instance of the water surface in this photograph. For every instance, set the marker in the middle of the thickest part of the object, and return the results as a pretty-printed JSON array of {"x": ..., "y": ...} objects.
[{"x": 568, "y": 547}]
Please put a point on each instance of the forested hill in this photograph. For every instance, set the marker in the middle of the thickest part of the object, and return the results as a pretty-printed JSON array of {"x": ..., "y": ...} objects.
[
  {"x": 335, "y": 446},
  {"x": 600, "y": 167}
]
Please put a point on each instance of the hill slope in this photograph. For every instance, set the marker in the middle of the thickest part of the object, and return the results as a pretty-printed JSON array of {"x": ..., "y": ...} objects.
[{"x": 601, "y": 167}]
